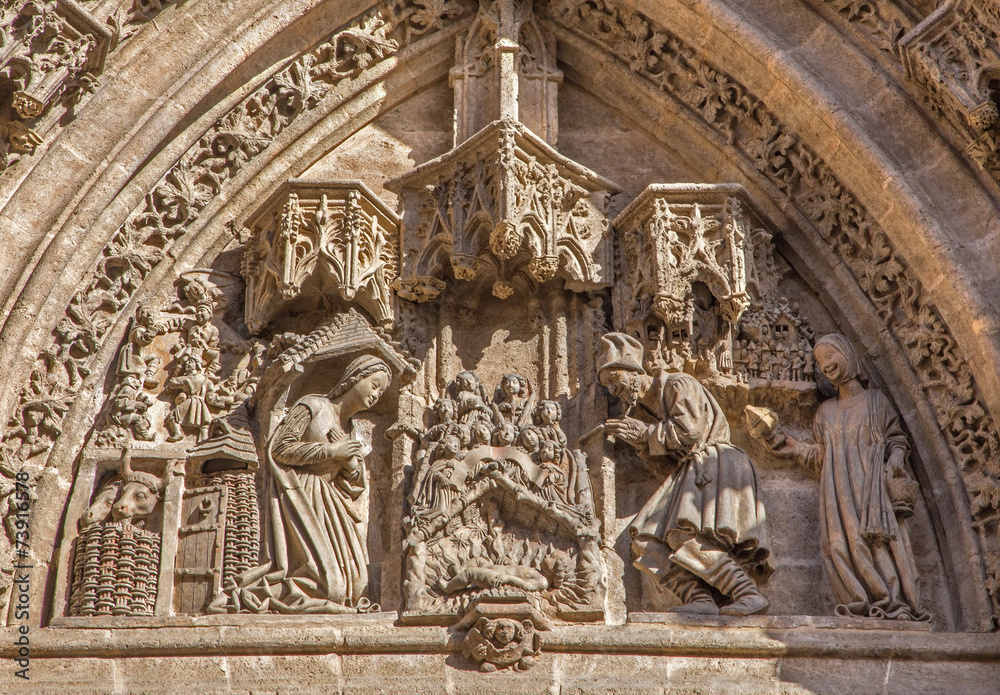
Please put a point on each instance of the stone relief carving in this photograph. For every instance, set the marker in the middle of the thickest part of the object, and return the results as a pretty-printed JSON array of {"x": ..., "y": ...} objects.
[
  {"x": 673, "y": 66},
  {"x": 775, "y": 344},
  {"x": 498, "y": 472},
  {"x": 947, "y": 52},
  {"x": 319, "y": 239},
  {"x": 501, "y": 644},
  {"x": 501, "y": 508},
  {"x": 699, "y": 286},
  {"x": 116, "y": 558},
  {"x": 503, "y": 206},
  {"x": 219, "y": 535},
  {"x": 685, "y": 254},
  {"x": 318, "y": 556},
  {"x": 177, "y": 354},
  {"x": 49, "y": 52},
  {"x": 704, "y": 531},
  {"x": 865, "y": 491},
  {"x": 884, "y": 23},
  {"x": 505, "y": 44},
  {"x": 127, "y": 19}
]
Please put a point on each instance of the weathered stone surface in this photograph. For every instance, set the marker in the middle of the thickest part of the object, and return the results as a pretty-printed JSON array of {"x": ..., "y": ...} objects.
[{"x": 303, "y": 305}]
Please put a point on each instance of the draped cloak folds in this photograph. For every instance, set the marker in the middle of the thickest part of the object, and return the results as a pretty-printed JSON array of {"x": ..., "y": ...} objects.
[
  {"x": 712, "y": 492},
  {"x": 866, "y": 551},
  {"x": 318, "y": 557}
]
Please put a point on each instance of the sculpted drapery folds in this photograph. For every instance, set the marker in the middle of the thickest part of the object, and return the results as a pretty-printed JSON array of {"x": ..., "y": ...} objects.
[
  {"x": 493, "y": 491},
  {"x": 861, "y": 450},
  {"x": 317, "y": 557},
  {"x": 706, "y": 522}
]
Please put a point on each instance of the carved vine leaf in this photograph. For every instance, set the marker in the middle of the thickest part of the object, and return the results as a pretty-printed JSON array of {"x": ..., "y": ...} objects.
[
  {"x": 985, "y": 493},
  {"x": 710, "y": 91},
  {"x": 985, "y": 151},
  {"x": 769, "y": 150},
  {"x": 839, "y": 218},
  {"x": 200, "y": 175}
]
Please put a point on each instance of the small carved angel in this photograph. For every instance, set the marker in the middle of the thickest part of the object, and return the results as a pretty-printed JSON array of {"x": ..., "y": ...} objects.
[
  {"x": 446, "y": 423},
  {"x": 471, "y": 398},
  {"x": 501, "y": 644},
  {"x": 547, "y": 417},
  {"x": 514, "y": 399}
]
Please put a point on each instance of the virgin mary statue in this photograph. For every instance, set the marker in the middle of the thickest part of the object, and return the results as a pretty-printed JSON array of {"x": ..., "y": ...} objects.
[{"x": 317, "y": 557}]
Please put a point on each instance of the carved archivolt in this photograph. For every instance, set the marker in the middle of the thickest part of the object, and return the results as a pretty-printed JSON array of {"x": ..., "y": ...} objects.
[{"x": 503, "y": 207}]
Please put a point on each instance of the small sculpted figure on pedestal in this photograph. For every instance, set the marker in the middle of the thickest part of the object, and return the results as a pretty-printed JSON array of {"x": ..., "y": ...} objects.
[
  {"x": 705, "y": 527},
  {"x": 318, "y": 548},
  {"x": 860, "y": 448}
]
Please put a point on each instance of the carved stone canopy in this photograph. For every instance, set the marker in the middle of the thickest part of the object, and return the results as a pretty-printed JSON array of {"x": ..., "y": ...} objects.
[
  {"x": 51, "y": 46},
  {"x": 955, "y": 53},
  {"x": 502, "y": 203},
  {"x": 505, "y": 67},
  {"x": 346, "y": 333},
  {"x": 315, "y": 240},
  {"x": 674, "y": 235}
]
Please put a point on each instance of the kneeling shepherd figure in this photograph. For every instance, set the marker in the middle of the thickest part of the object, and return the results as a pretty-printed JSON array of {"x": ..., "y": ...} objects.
[{"x": 703, "y": 533}]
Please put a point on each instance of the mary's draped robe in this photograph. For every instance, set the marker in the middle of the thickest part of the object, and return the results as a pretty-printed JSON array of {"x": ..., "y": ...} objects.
[{"x": 317, "y": 553}]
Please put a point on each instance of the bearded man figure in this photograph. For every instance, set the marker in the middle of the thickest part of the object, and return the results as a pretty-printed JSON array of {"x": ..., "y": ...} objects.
[{"x": 704, "y": 530}]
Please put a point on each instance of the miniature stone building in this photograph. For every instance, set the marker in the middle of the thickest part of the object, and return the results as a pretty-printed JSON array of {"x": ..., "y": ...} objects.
[{"x": 489, "y": 346}]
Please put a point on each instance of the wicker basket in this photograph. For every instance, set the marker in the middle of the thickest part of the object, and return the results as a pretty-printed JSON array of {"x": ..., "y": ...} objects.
[{"x": 903, "y": 494}]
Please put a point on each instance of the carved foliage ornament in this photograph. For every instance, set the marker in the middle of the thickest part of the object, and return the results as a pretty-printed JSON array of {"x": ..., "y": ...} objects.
[
  {"x": 320, "y": 239},
  {"x": 671, "y": 65},
  {"x": 948, "y": 51}
]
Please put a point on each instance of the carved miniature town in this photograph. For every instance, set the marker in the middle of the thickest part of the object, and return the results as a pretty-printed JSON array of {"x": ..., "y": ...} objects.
[{"x": 503, "y": 401}]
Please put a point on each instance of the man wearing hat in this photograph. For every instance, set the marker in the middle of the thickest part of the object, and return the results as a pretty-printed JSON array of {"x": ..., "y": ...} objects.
[{"x": 704, "y": 528}]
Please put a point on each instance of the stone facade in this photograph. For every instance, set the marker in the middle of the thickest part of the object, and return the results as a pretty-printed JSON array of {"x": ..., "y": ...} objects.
[{"x": 579, "y": 346}]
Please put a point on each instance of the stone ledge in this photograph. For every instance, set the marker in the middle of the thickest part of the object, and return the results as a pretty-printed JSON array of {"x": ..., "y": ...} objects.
[
  {"x": 354, "y": 635},
  {"x": 784, "y": 622}
]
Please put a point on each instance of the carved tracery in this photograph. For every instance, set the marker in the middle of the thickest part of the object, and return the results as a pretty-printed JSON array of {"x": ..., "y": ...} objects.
[
  {"x": 320, "y": 240},
  {"x": 503, "y": 518}
]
